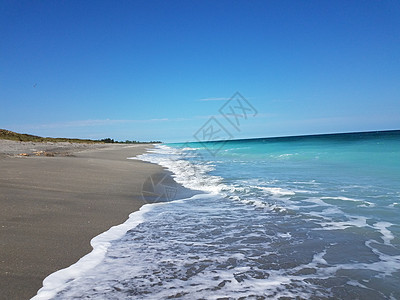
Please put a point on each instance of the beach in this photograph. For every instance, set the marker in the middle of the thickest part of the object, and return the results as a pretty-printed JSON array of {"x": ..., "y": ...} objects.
[
  {"x": 54, "y": 201},
  {"x": 311, "y": 217}
]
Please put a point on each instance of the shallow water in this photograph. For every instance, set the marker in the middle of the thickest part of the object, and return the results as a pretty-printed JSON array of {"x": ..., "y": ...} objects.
[{"x": 312, "y": 217}]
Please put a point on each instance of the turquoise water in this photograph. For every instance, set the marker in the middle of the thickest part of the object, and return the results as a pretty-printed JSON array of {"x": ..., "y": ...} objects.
[{"x": 314, "y": 217}]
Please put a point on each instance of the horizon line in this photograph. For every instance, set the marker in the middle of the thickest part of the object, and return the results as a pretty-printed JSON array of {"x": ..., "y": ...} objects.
[{"x": 294, "y": 136}]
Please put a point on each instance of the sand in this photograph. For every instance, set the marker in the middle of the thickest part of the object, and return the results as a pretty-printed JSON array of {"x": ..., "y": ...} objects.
[
  {"x": 14, "y": 148},
  {"x": 51, "y": 207}
]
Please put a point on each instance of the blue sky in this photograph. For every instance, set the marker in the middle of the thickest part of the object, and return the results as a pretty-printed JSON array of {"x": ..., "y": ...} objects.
[{"x": 158, "y": 70}]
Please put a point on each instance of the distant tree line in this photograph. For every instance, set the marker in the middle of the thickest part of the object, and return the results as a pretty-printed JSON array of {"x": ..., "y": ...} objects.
[
  {"x": 22, "y": 137},
  {"x": 112, "y": 141}
]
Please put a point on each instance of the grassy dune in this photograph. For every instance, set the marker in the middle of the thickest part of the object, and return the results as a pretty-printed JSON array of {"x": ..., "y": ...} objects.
[{"x": 14, "y": 136}]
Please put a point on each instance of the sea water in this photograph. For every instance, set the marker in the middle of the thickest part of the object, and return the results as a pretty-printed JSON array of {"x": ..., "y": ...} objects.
[{"x": 314, "y": 217}]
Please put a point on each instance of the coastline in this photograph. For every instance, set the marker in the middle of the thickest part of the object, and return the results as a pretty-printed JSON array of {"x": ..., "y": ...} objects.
[
  {"x": 237, "y": 243},
  {"x": 52, "y": 207}
]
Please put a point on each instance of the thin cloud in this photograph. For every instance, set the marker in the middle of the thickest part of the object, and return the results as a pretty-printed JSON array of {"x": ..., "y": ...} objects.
[
  {"x": 111, "y": 122},
  {"x": 93, "y": 123},
  {"x": 214, "y": 99},
  {"x": 281, "y": 100}
]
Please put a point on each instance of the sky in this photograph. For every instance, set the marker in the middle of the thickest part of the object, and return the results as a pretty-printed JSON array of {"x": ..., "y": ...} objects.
[{"x": 163, "y": 70}]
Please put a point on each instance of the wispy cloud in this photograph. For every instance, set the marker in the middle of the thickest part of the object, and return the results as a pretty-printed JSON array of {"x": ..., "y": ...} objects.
[
  {"x": 94, "y": 123},
  {"x": 214, "y": 99},
  {"x": 281, "y": 100},
  {"x": 222, "y": 98},
  {"x": 115, "y": 122}
]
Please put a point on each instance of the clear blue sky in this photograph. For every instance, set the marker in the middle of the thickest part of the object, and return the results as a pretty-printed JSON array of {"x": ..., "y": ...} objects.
[{"x": 157, "y": 70}]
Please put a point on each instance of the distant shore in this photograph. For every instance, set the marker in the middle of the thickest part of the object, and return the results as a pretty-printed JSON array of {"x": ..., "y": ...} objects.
[{"x": 54, "y": 198}]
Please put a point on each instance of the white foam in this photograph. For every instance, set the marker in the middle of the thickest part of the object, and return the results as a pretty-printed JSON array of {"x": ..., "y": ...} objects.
[
  {"x": 311, "y": 182},
  {"x": 260, "y": 204},
  {"x": 387, "y": 235},
  {"x": 299, "y": 191},
  {"x": 197, "y": 177},
  {"x": 57, "y": 281},
  {"x": 317, "y": 200},
  {"x": 189, "y": 175},
  {"x": 285, "y": 155},
  {"x": 276, "y": 191},
  {"x": 163, "y": 250},
  {"x": 363, "y": 203},
  {"x": 191, "y": 149},
  {"x": 318, "y": 258},
  {"x": 341, "y": 198},
  {"x": 329, "y": 217},
  {"x": 354, "y": 221},
  {"x": 285, "y": 235}
]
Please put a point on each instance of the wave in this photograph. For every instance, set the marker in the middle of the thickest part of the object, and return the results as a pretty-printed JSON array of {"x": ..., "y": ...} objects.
[
  {"x": 57, "y": 281},
  {"x": 250, "y": 235}
]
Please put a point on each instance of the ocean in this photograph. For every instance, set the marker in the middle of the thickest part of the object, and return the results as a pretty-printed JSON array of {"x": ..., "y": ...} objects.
[{"x": 311, "y": 217}]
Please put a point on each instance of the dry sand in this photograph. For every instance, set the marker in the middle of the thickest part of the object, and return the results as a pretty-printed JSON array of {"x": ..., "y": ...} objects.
[
  {"x": 51, "y": 207},
  {"x": 14, "y": 148}
]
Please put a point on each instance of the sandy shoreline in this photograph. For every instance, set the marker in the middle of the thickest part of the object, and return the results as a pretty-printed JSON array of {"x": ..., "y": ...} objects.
[
  {"x": 51, "y": 207},
  {"x": 14, "y": 148}
]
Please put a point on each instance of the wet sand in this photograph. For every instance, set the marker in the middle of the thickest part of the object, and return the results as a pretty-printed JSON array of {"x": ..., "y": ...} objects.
[{"x": 51, "y": 207}]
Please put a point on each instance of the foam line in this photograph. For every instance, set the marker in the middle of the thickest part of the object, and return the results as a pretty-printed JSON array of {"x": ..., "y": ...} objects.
[{"x": 57, "y": 281}]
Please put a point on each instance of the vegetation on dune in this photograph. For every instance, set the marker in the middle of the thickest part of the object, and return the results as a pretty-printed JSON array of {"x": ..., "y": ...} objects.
[
  {"x": 14, "y": 136},
  {"x": 22, "y": 137},
  {"x": 108, "y": 140}
]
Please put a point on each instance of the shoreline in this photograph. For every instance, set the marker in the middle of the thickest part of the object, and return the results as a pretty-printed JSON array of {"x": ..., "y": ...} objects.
[{"x": 52, "y": 207}]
